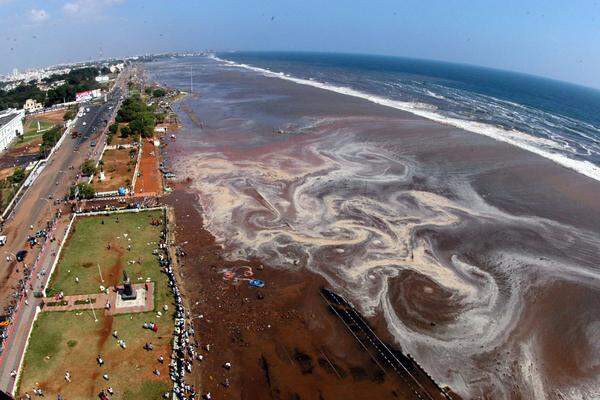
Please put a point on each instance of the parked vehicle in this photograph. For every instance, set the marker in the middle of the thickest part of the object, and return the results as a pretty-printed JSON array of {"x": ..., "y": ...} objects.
[{"x": 21, "y": 254}]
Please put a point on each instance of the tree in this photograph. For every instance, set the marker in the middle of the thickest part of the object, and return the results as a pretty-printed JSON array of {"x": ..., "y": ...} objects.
[
  {"x": 18, "y": 175},
  {"x": 148, "y": 91},
  {"x": 130, "y": 109},
  {"x": 50, "y": 137},
  {"x": 82, "y": 191},
  {"x": 88, "y": 168},
  {"x": 113, "y": 128},
  {"x": 160, "y": 117},
  {"x": 143, "y": 124},
  {"x": 15, "y": 98},
  {"x": 76, "y": 80},
  {"x": 125, "y": 131},
  {"x": 136, "y": 126},
  {"x": 70, "y": 114},
  {"x": 160, "y": 92}
]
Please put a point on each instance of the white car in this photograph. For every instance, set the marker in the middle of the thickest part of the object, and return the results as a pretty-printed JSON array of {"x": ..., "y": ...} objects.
[{"x": 85, "y": 123}]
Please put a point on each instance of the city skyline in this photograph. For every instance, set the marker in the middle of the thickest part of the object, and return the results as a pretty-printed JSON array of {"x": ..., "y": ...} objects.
[{"x": 565, "y": 41}]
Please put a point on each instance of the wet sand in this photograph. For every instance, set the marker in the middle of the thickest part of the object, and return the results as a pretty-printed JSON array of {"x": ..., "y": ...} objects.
[
  {"x": 476, "y": 257},
  {"x": 281, "y": 340}
]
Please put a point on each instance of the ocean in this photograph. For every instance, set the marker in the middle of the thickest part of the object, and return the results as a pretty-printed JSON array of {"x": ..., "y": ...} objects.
[
  {"x": 554, "y": 119},
  {"x": 416, "y": 190}
]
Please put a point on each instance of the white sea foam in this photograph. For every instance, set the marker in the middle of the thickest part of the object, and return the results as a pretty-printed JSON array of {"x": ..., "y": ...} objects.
[{"x": 539, "y": 146}]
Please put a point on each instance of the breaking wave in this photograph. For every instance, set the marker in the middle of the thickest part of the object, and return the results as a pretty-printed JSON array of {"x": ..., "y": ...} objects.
[{"x": 554, "y": 149}]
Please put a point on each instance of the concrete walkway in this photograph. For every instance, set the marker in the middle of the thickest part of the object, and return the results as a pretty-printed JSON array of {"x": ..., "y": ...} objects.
[{"x": 99, "y": 301}]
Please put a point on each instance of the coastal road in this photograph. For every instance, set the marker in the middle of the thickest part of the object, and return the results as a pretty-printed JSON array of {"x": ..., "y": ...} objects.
[{"x": 35, "y": 208}]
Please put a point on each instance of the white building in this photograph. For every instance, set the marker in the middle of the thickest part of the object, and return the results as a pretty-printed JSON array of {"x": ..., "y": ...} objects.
[
  {"x": 32, "y": 106},
  {"x": 116, "y": 68},
  {"x": 11, "y": 125},
  {"x": 87, "y": 95},
  {"x": 102, "y": 78}
]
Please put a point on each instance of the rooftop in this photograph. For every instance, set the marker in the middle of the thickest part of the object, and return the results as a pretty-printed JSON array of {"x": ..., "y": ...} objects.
[{"x": 7, "y": 116}]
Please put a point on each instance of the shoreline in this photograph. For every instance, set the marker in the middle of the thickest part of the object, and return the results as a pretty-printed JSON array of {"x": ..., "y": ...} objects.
[
  {"x": 287, "y": 338},
  {"x": 496, "y": 211},
  {"x": 518, "y": 139}
]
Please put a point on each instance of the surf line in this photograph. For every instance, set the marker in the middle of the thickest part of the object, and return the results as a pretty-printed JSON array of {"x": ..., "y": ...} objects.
[{"x": 513, "y": 137}]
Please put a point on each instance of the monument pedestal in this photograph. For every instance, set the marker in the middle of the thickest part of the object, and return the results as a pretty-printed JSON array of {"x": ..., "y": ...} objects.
[{"x": 127, "y": 293}]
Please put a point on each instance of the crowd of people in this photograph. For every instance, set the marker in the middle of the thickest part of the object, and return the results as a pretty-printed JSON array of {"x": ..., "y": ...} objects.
[{"x": 184, "y": 347}]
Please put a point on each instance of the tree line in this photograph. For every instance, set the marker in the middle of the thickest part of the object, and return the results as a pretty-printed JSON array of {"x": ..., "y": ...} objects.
[
  {"x": 77, "y": 80},
  {"x": 141, "y": 118}
]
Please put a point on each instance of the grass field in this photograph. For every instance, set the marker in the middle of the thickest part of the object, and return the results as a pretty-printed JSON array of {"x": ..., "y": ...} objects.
[
  {"x": 30, "y": 127},
  {"x": 86, "y": 251},
  {"x": 71, "y": 340}
]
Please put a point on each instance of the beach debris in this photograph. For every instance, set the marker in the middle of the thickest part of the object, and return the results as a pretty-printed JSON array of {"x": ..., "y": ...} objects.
[{"x": 256, "y": 283}]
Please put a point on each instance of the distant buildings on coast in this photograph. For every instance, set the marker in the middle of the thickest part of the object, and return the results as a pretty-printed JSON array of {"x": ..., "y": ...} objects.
[{"x": 16, "y": 77}]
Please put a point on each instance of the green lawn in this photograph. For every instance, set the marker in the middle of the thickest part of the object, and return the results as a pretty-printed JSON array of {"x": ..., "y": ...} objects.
[
  {"x": 71, "y": 340},
  {"x": 62, "y": 341},
  {"x": 31, "y": 127},
  {"x": 86, "y": 251}
]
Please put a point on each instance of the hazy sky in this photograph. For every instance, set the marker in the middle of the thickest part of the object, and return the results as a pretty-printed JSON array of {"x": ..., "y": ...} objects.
[{"x": 553, "y": 38}]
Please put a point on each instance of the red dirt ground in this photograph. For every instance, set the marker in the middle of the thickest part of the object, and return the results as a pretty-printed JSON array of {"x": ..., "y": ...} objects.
[
  {"x": 149, "y": 182},
  {"x": 56, "y": 117},
  {"x": 119, "y": 161}
]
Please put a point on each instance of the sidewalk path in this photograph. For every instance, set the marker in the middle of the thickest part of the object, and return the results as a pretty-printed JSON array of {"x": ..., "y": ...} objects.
[{"x": 100, "y": 300}]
